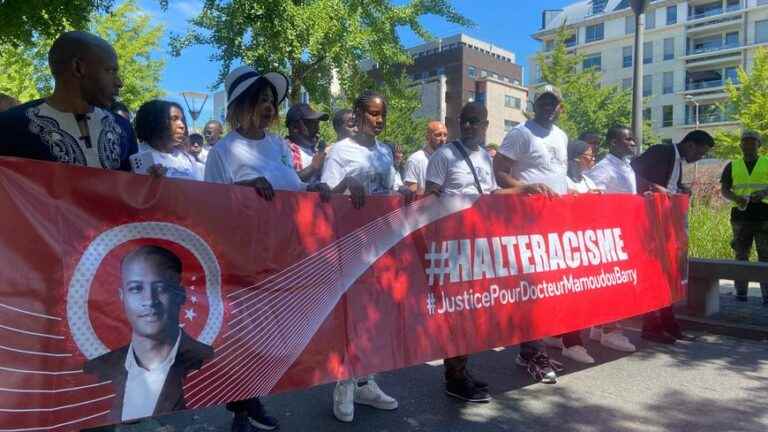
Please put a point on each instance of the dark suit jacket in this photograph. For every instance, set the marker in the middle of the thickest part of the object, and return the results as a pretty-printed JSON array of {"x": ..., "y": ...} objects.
[
  {"x": 655, "y": 166},
  {"x": 111, "y": 366}
]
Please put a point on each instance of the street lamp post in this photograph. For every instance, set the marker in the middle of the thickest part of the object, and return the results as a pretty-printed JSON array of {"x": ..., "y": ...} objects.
[
  {"x": 638, "y": 6},
  {"x": 195, "y": 103},
  {"x": 692, "y": 100}
]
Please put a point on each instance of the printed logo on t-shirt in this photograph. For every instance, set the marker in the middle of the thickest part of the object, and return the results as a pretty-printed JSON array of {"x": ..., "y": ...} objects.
[{"x": 376, "y": 183}]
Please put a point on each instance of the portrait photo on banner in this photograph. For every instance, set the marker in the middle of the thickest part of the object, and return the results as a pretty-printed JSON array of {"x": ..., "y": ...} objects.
[{"x": 147, "y": 319}]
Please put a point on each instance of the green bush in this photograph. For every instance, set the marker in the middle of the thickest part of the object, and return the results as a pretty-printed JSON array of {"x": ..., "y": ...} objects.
[{"x": 710, "y": 231}]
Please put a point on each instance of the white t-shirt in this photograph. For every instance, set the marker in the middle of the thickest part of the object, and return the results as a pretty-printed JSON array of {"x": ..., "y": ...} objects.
[
  {"x": 143, "y": 386},
  {"x": 448, "y": 169},
  {"x": 203, "y": 156},
  {"x": 372, "y": 167},
  {"x": 541, "y": 155},
  {"x": 584, "y": 186},
  {"x": 306, "y": 155},
  {"x": 614, "y": 175},
  {"x": 677, "y": 171},
  {"x": 235, "y": 159},
  {"x": 177, "y": 164},
  {"x": 416, "y": 169}
]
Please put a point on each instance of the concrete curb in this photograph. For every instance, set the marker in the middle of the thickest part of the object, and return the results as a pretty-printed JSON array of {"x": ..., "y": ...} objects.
[{"x": 743, "y": 331}]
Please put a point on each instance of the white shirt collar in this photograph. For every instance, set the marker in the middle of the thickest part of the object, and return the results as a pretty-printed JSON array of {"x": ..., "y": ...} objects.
[{"x": 131, "y": 365}]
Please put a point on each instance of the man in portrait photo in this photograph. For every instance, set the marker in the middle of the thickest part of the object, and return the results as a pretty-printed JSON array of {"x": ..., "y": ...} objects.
[{"x": 148, "y": 374}]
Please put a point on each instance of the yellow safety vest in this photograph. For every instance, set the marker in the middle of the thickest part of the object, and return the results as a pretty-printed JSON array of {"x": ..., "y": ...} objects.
[{"x": 744, "y": 183}]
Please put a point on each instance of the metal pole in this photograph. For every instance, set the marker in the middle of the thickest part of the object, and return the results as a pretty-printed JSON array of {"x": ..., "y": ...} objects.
[
  {"x": 638, "y": 7},
  {"x": 637, "y": 84},
  {"x": 698, "y": 121}
]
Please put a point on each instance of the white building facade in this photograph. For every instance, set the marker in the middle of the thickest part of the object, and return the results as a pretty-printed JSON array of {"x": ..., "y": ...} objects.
[{"x": 692, "y": 48}]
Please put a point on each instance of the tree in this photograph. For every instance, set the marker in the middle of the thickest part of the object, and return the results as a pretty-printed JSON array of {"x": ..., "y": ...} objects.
[
  {"x": 747, "y": 101},
  {"x": 26, "y": 75},
  {"x": 25, "y": 21},
  {"x": 310, "y": 40},
  {"x": 134, "y": 38},
  {"x": 589, "y": 105},
  {"x": 22, "y": 77}
]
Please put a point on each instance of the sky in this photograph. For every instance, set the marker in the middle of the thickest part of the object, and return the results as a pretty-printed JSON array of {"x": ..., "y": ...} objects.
[{"x": 505, "y": 23}]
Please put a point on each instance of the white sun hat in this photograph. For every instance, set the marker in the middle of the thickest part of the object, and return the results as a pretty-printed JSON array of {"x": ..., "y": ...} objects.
[{"x": 240, "y": 79}]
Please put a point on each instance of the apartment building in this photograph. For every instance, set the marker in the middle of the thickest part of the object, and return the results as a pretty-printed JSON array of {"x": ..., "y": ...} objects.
[
  {"x": 692, "y": 48},
  {"x": 455, "y": 70}
]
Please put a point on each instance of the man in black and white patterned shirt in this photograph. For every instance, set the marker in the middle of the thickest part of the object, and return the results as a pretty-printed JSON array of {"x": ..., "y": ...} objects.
[{"x": 73, "y": 125}]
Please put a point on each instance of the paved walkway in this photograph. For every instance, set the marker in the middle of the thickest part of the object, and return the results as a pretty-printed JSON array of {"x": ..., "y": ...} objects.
[
  {"x": 712, "y": 383},
  {"x": 751, "y": 312}
]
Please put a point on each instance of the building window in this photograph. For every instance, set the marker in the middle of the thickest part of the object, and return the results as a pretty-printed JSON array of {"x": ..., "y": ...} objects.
[
  {"x": 647, "y": 85},
  {"x": 626, "y": 57},
  {"x": 548, "y": 45},
  {"x": 648, "y": 53},
  {"x": 671, "y": 15},
  {"x": 593, "y": 61},
  {"x": 598, "y": 6},
  {"x": 441, "y": 71},
  {"x": 669, "y": 49},
  {"x": 572, "y": 40},
  {"x": 629, "y": 24},
  {"x": 512, "y": 102},
  {"x": 509, "y": 124},
  {"x": 595, "y": 33},
  {"x": 472, "y": 71},
  {"x": 667, "y": 116},
  {"x": 761, "y": 31},
  {"x": 626, "y": 84},
  {"x": 669, "y": 83},
  {"x": 731, "y": 40},
  {"x": 650, "y": 19},
  {"x": 483, "y": 73}
]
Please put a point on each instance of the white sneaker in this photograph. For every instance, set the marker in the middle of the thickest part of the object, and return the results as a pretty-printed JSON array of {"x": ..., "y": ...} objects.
[
  {"x": 596, "y": 334},
  {"x": 617, "y": 341},
  {"x": 343, "y": 400},
  {"x": 554, "y": 342},
  {"x": 578, "y": 353},
  {"x": 370, "y": 394}
]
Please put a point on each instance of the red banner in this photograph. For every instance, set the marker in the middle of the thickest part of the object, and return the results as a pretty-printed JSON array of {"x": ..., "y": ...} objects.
[{"x": 101, "y": 269}]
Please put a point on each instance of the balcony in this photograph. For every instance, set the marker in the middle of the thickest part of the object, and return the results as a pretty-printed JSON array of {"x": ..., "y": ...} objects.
[
  {"x": 704, "y": 85},
  {"x": 712, "y": 49},
  {"x": 713, "y": 12}
]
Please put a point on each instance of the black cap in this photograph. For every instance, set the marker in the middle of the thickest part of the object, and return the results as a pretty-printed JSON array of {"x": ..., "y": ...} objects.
[{"x": 303, "y": 112}]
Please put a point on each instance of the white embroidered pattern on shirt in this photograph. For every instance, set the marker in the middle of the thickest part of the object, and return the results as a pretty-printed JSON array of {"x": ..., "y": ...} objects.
[
  {"x": 63, "y": 146},
  {"x": 109, "y": 143}
]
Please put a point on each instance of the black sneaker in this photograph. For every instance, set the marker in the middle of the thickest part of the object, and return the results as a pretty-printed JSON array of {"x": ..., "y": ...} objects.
[
  {"x": 466, "y": 391},
  {"x": 482, "y": 385},
  {"x": 658, "y": 336},
  {"x": 241, "y": 424},
  {"x": 541, "y": 368},
  {"x": 259, "y": 419}
]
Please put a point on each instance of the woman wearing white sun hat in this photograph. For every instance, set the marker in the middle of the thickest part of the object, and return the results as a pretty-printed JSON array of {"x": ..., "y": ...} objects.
[{"x": 250, "y": 155}]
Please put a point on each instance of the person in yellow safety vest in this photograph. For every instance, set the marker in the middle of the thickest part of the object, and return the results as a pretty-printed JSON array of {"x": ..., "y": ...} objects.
[{"x": 745, "y": 183}]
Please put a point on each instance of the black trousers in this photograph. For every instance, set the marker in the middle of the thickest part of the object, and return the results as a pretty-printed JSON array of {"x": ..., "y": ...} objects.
[
  {"x": 456, "y": 367},
  {"x": 744, "y": 235}
]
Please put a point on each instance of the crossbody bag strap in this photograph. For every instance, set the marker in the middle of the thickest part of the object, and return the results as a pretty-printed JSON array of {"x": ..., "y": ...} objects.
[{"x": 463, "y": 151}]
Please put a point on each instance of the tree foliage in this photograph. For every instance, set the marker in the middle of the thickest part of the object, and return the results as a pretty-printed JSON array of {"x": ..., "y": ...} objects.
[
  {"x": 747, "y": 103},
  {"x": 22, "y": 71},
  {"x": 310, "y": 39},
  {"x": 24, "y": 21},
  {"x": 134, "y": 38},
  {"x": 589, "y": 105},
  {"x": 25, "y": 68}
]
